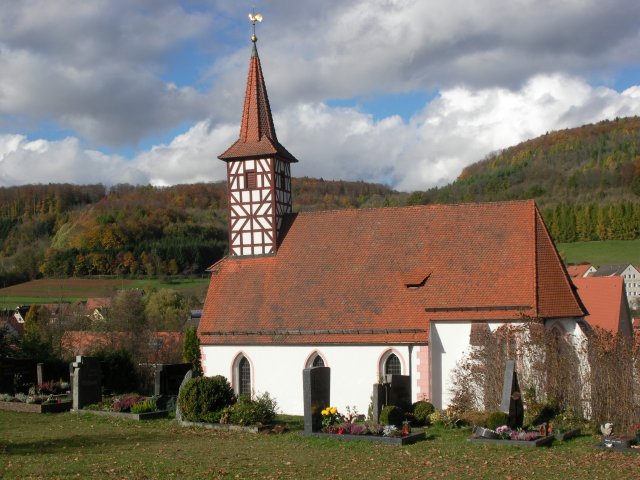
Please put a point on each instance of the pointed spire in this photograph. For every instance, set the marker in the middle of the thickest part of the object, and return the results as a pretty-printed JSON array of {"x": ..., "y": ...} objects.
[{"x": 257, "y": 131}]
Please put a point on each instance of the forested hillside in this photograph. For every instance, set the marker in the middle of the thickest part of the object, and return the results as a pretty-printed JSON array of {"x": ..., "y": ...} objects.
[
  {"x": 586, "y": 180},
  {"x": 65, "y": 230}
]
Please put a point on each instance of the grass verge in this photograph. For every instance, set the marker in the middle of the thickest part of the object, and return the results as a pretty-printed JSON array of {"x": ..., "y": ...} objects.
[{"x": 73, "y": 446}]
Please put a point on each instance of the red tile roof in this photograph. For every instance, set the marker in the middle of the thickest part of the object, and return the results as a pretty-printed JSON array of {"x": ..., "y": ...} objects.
[
  {"x": 257, "y": 132},
  {"x": 605, "y": 299},
  {"x": 341, "y": 276},
  {"x": 575, "y": 271},
  {"x": 97, "y": 303}
]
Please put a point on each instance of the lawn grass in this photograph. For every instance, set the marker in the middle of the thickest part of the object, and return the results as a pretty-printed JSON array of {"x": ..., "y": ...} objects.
[
  {"x": 50, "y": 290},
  {"x": 600, "y": 253},
  {"x": 73, "y": 446}
]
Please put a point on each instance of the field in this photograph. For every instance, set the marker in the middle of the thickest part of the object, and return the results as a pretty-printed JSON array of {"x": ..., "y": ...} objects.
[
  {"x": 73, "y": 446},
  {"x": 600, "y": 253},
  {"x": 71, "y": 289}
]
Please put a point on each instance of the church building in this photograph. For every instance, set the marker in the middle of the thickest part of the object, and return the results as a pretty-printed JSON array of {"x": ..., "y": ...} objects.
[{"x": 366, "y": 292}]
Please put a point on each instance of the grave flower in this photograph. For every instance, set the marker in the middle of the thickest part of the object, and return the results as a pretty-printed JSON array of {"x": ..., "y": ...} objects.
[
  {"x": 330, "y": 417},
  {"x": 505, "y": 432}
]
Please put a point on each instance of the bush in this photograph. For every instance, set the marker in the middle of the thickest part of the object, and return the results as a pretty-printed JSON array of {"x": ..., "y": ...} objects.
[
  {"x": 496, "y": 419},
  {"x": 391, "y": 415},
  {"x": 421, "y": 412},
  {"x": 262, "y": 410},
  {"x": 473, "y": 417},
  {"x": 149, "y": 405},
  {"x": 205, "y": 395}
]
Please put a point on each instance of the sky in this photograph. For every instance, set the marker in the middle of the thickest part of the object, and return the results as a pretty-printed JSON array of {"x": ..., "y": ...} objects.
[{"x": 401, "y": 92}]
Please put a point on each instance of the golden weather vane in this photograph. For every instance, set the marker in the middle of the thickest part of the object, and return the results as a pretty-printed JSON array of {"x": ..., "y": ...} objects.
[{"x": 255, "y": 17}]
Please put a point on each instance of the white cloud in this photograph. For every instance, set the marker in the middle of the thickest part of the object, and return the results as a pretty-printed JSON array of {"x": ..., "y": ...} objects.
[
  {"x": 63, "y": 161},
  {"x": 457, "y": 128}
]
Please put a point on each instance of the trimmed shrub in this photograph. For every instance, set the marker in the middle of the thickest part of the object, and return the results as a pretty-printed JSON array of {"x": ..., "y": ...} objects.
[
  {"x": 262, "y": 410},
  {"x": 205, "y": 395},
  {"x": 421, "y": 412},
  {"x": 391, "y": 415},
  {"x": 496, "y": 419}
]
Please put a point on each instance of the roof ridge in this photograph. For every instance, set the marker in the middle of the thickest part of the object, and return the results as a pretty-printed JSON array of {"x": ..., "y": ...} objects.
[{"x": 415, "y": 207}]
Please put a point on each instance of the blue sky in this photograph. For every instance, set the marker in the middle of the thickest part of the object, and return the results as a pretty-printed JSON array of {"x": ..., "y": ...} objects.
[{"x": 405, "y": 92}]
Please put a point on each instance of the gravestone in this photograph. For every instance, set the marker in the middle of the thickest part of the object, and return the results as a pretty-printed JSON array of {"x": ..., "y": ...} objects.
[
  {"x": 185, "y": 379},
  {"x": 316, "y": 386},
  {"x": 86, "y": 383},
  {"x": 17, "y": 375},
  {"x": 512, "y": 397},
  {"x": 169, "y": 377},
  {"x": 395, "y": 391},
  {"x": 167, "y": 380}
]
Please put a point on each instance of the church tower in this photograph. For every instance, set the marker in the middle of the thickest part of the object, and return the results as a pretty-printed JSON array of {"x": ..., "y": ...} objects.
[{"x": 258, "y": 173}]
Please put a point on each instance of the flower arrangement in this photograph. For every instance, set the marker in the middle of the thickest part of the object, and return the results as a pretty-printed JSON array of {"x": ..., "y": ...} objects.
[
  {"x": 505, "y": 432},
  {"x": 330, "y": 417}
]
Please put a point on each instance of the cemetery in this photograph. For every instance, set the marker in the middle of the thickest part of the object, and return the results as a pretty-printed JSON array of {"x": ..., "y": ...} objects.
[{"x": 214, "y": 424}]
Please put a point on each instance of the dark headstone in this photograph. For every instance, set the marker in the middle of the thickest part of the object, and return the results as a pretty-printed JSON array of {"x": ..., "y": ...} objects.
[
  {"x": 185, "y": 379},
  {"x": 87, "y": 381},
  {"x": 512, "y": 397},
  {"x": 17, "y": 375},
  {"x": 395, "y": 391},
  {"x": 169, "y": 377},
  {"x": 400, "y": 392},
  {"x": 316, "y": 386},
  {"x": 378, "y": 400}
]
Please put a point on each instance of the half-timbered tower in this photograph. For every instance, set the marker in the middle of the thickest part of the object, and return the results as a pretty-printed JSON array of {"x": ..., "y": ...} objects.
[{"x": 258, "y": 173}]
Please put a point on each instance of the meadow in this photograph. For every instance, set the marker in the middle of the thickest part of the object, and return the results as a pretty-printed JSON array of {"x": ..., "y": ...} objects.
[
  {"x": 601, "y": 252},
  {"x": 34, "y": 446}
]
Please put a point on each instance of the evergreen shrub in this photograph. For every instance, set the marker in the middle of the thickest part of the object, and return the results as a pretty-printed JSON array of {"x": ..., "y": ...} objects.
[
  {"x": 202, "y": 396},
  {"x": 246, "y": 411},
  {"x": 391, "y": 415},
  {"x": 421, "y": 411}
]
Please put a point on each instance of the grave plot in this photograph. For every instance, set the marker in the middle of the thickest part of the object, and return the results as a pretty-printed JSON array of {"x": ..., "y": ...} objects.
[
  {"x": 322, "y": 420},
  {"x": 23, "y": 389},
  {"x": 511, "y": 433},
  {"x": 86, "y": 381}
]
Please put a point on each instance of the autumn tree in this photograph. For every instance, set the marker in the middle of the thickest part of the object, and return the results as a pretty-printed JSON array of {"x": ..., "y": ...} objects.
[{"x": 166, "y": 310}]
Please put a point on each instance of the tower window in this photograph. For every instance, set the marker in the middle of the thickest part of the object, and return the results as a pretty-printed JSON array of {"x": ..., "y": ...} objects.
[{"x": 250, "y": 179}]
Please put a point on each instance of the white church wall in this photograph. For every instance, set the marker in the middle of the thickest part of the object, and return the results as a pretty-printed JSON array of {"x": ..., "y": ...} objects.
[
  {"x": 449, "y": 343},
  {"x": 278, "y": 370}
]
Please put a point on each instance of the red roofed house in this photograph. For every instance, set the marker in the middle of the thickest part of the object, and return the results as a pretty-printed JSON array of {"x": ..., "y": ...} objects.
[
  {"x": 606, "y": 302},
  {"x": 365, "y": 292},
  {"x": 582, "y": 270}
]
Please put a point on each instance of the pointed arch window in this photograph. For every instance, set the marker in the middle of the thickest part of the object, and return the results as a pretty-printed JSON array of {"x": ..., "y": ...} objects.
[
  {"x": 315, "y": 360},
  {"x": 244, "y": 377},
  {"x": 392, "y": 365}
]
